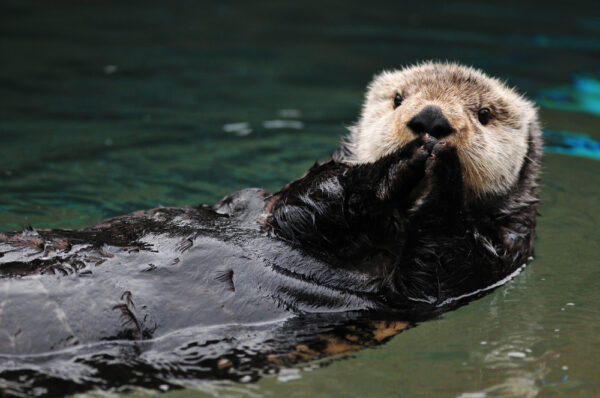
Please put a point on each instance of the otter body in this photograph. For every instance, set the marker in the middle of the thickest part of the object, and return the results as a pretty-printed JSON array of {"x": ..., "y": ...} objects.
[
  {"x": 430, "y": 200},
  {"x": 434, "y": 190},
  {"x": 405, "y": 218},
  {"x": 154, "y": 272}
]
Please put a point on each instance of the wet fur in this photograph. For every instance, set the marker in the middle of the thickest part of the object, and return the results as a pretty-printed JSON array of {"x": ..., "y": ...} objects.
[
  {"x": 378, "y": 237},
  {"x": 436, "y": 219}
]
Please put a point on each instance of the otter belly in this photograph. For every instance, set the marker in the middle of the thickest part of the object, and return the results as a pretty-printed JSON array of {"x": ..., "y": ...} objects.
[
  {"x": 136, "y": 295},
  {"x": 155, "y": 273}
]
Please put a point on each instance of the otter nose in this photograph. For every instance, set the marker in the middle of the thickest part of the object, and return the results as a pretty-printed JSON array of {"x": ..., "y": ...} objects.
[{"x": 432, "y": 121}]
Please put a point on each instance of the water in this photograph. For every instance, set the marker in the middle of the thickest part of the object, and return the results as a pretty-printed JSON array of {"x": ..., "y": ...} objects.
[{"x": 107, "y": 108}]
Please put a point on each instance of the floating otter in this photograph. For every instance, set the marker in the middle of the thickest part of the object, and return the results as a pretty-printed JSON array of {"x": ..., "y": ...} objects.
[
  {"x": 434, "y": 190},
  {"x": 429, "y": 201}
]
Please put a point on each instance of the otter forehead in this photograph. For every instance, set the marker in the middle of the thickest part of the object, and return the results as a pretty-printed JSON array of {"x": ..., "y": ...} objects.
[{"x": 488, "y": 122}]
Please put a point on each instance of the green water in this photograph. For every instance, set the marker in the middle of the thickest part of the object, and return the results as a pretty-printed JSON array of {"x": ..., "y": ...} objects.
[{"x": 107, "y": 108}]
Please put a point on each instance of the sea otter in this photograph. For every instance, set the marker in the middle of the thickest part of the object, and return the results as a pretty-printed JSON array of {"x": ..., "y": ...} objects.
[
  {"x": 434, "y": 190},
  {"x": 430, "y": 199}
]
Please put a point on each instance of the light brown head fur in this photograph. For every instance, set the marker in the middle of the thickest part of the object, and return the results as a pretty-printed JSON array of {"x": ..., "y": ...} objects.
[{"x": 491, "y": 155}]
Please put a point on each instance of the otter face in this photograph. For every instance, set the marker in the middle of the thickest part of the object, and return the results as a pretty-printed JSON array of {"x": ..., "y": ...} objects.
[{"x": 488, "y": 122}]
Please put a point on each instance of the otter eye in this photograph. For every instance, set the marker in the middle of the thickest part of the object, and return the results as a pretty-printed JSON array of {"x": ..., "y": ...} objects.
[
  {"x": 397, "y": 100},
  {"x": 484, "y": 116}
]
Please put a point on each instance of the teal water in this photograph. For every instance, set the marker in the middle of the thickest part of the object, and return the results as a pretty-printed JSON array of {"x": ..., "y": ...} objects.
[{"x": 107, "y": 108}]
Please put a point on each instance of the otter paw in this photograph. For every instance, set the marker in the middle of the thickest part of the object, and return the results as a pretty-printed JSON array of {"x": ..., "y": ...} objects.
[
  {"x": 420, "y": 155},
  {"x": 421, "y": 149},
  {"x": 443, "y": 166},
  {"x": 443, "y": 176},
  {"x": 443, "y": 148},
  {"x": 429, "y": 142},
  {"x": 443, "y": 151}
]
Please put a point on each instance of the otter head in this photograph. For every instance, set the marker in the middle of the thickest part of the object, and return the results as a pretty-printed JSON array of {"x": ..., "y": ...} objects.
[{"x": 490, "y": 124}]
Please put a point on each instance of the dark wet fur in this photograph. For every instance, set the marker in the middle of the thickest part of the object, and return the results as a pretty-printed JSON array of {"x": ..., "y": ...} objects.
[
  {"x": 351, "y": 255},
  {"x": 406, "y": 218}
]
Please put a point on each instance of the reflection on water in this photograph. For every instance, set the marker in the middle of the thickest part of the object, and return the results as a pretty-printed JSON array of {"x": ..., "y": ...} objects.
[
  {"x": 110, "y": 108},
  {"x": 582, "y": 96},
  {"x": 571, "y": 144}
]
